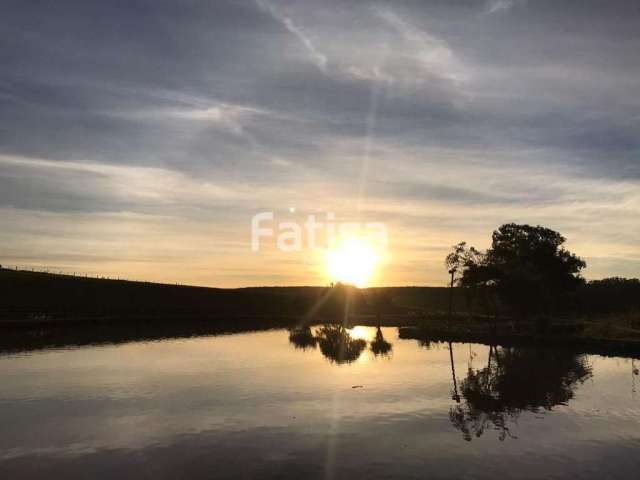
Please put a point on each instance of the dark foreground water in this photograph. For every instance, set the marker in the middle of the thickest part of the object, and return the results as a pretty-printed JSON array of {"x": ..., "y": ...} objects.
[{"x": 316, "y": 404}]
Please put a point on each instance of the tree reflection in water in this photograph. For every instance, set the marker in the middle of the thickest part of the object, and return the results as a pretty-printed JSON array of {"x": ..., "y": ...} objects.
[
  {"x": 302, "y": 338},
  {"x": 337, "y": 345},
  {"x": 515, "y": 380},
  {"x": 379, "y": 346}
]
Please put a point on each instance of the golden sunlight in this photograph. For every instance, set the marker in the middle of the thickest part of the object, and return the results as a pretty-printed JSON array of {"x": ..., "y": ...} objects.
[
  {"x": 353, "y": 261},
  {"x": 362, "y": 333}
]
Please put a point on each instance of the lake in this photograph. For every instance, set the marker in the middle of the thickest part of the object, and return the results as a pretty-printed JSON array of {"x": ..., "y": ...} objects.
[{"x": 316, "y": 403}]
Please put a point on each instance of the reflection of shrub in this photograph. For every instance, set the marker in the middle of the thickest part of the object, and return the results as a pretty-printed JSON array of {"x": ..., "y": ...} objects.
[
  {"x": 302, "y": 338},
  {"x": 336, "y": 344},
  {"x": 379, "y": 346}
]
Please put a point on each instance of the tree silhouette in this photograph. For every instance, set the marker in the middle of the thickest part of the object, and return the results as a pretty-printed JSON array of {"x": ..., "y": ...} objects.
[
  {"x": 458, "y": 261},
  {"x": 527, "y": 269}
]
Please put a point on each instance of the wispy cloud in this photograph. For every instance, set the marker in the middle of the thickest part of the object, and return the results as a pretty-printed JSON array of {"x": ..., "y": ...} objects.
[
  {"x": 318, "y": 57},
  {"x": 228, "y": 116},
  {"x": 498, "y": 6},
  {"x": 162, "y": 142},
  {"x": 433, "y": 55}
]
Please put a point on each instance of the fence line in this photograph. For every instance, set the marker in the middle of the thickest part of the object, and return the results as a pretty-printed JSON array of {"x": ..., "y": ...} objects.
[{"x": 53, "y": 271}]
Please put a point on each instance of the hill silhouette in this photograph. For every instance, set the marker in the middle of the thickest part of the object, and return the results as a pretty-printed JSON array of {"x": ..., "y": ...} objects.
[
  {"x": 47, "y": 297},
  {"x": 30, "y": 298}
]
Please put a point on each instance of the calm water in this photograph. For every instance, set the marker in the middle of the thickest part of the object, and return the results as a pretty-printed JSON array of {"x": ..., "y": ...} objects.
[{"x": 316, "y": 404}]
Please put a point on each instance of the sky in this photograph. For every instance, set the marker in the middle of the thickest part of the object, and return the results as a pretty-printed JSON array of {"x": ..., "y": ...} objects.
[{"x": 138, "y": 139}]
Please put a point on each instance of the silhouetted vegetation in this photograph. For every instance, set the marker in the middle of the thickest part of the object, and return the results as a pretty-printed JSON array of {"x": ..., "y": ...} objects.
[
  {"x": 337, "y": 344},
  {"x": 379, "y": 346},
  {"x": 525, "y": 271},
  {"x": 381, "y": 301},
  {"x": 302, "y": 338},
  {"x": 48, "y": 297},
  {"x": 516, "y": 380},
  {"x": 528, "y": 280},
  {"x": 610, "y": 295},
  {"x": 45, "y": 298}
]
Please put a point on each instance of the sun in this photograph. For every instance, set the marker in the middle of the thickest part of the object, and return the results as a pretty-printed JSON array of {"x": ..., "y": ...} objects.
[{"x": 352, "y": 261}]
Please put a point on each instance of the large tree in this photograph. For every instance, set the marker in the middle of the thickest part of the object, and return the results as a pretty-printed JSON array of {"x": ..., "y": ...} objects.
[{"x": 527, "y": 269}]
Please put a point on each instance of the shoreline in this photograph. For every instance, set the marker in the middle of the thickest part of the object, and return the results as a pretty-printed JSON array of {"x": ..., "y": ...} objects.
[
  {"x": 584, "y": 336},
  {"x": 575, "y": 335}
]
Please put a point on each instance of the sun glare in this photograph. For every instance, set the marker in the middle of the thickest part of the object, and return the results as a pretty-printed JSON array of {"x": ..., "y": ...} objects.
[
  {"x": 363, "y": 333},
  {"x": 353, "y": 261}
]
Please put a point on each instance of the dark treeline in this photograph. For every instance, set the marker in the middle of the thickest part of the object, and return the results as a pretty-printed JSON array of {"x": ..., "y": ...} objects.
[
  {"x": 29, "y": 294},
  {"x": 610, "y": 295},
  {"x": 45, "y": 297},
  {"x": 48, "y": 297},
  {"x": 527, "y": 272}
]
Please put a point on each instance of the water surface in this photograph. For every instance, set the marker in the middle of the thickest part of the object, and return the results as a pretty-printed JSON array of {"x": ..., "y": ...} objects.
[{"x": 316, "y": 403}]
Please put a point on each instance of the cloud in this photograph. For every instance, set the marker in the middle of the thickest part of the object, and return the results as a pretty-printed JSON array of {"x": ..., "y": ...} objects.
[
  {"x": 319, "y": 58},
  {"x": 228, "y": 116},
  {"x": 436, "y": 119},
  {"x": 433, "y": 55},
  {"x": 499, "y": 6}
]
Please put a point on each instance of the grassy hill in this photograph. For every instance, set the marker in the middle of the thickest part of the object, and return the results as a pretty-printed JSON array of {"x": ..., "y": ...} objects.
[{"x": 37, "y": 296}]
